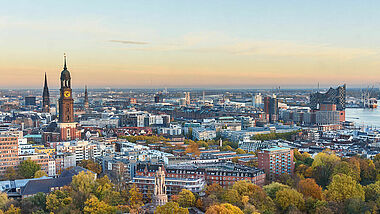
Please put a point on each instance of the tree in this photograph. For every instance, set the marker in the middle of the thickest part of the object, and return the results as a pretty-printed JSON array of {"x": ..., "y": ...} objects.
[
  {"x": 323, "y": 166},
  {"x": 28, "y": 168},
  {"x": 135, "y": 198},
  {"x": 186, "y": 198},
  {"x": 13, "y": 210},
  {"x": 224, "y": 209},
  {"x": 271, "y": 189},
  {"x": 214, "y": 188},
  {"x": 84, "y": 182},
  {"x": 38, "y": 200},
  {"x": 91, "y": 165},
  {"x": 288, "y": 197},
  {"x": 350, "y": 169},
  {"x": 309, "y": 188},
  {"x": 257, "y": 197},
  {"x": 58, "y": 200},
  {"x": 193, "y": 148},
  {"x": 372, "y": 192},
  {"x": 232, "y": 196},
  {"x": 104, "y": 191},
  {"x": 286, "y": 179},
  {"x": 40, "y": 173},
  {"x": 343, "y": 187},
  {"x": 3, "y": 199},
  {"x": 94, "y": 206},
  {"x": 170, "y": 208},
  {"x": 10, "y": 173},
  {"x": 240, "y": 151}
]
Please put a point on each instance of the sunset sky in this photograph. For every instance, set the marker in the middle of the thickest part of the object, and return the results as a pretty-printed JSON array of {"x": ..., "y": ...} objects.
[{"x": 231, "y": 44}]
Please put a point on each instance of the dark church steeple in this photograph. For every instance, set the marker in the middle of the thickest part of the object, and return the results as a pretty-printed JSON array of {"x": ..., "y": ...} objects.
[
  {"x": 85, "y": 98},
  {"x": 45, "y": 97}
]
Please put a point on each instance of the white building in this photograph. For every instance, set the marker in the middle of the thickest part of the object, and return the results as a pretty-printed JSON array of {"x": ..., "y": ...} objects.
[
  {"x": 203, "y": 134},
  {"x": 172, "y": 130}
]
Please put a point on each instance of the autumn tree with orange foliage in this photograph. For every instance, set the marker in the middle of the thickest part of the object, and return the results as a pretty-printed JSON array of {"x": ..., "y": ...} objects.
[
  {"x": 309, "y": 188},
  {"x": 194, "y": 149}
]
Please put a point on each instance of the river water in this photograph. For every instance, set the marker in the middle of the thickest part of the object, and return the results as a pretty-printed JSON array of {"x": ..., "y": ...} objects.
[{"x": 366, "y": 117}]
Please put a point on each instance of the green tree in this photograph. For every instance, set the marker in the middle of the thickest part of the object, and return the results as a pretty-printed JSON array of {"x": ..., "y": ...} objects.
[
  {"x": 135, "y": 198},
  {"x": 40, "y": 173},
  {"x": 94, "y": 206},
  {"x": 58, "y": 200},
  {"x": 10, "y": 173},
  {"x": 186, "y": 198},
  {"x": 171, "y": 208},
  {"x": 343, "y": 187},
  {"x": 28, "y": 168},
  {"x": 84, "y": 182},
  {"x": 323, "y": 166},
  {"x": 273, "y": 188},
  {"x": 257, "y": 197},
  {"x": 91, "y": 165},
  {"x": 289, "y": 197},
  {"x": 232, "y": 196},
  {"x": 104, "y": 191},
  {"x": 349, "y": 169},
  {"x": 38, "y": 200},
  {"x": 372, "y": 192}
]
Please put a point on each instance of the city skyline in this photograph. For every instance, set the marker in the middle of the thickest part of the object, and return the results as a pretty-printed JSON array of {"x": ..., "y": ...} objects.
[{"x": 191, "y": 45}]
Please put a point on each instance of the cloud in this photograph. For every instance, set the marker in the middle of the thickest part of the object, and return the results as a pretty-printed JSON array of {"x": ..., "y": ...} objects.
[{"x": 129, "y": 42}]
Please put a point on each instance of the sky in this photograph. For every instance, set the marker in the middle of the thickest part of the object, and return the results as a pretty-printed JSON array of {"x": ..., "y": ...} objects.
[{"x": 216, "y": 44}]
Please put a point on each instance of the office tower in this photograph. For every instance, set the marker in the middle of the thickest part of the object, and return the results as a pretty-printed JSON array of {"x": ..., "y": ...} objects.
[
  {"x": 271, "y": 108},
  {"x": 30, "y": 101},
  {"x": 258, "y": 100}
]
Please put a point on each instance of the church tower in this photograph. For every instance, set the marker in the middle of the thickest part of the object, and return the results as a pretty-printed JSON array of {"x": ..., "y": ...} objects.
[
  {"x": 160, "y": 197},
  {"x": 85, "y": 98},
  {"x": 66, "y": 101},
  {"x": 66, "y": 107},
  {"x": 46, "y": 97}
]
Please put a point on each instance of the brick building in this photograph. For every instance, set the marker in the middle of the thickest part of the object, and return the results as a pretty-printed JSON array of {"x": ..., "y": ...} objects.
[
  {"x": 8, "y": 152},
  {"x": 276, "y": 161}
]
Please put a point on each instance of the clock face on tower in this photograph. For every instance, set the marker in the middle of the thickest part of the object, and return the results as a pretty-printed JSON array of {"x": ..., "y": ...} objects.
[{"x": 66, "y": 94}]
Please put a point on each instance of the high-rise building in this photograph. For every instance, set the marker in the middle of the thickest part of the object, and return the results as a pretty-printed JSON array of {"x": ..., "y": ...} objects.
[
  {"x": 271, "y": 108},
  {"x": 66, "y": 124},
  {"x": 45, "y": 97},
  {"x": 276, "y": 161},
  {"x": 258, "y": 100},
  {"x": 332, "y": 96},
  {"x": 30, "y": 101},
  {"x": 158, "y": 98},
  {"x": 187, "y": 98}
]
